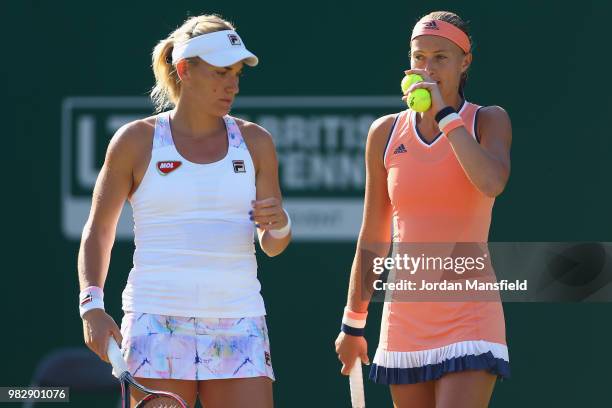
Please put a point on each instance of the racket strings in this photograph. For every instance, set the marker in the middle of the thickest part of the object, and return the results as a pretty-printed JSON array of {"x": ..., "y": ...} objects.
[{"x": 160, "y": 402}]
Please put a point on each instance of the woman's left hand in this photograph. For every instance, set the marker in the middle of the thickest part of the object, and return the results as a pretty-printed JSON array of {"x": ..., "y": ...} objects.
[
  {"x": 437, "y": 102},
  {"x": 268, "y": 214}
]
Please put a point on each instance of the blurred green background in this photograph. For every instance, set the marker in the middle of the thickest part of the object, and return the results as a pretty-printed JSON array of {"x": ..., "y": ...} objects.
[{"x": 547, "y": 65}]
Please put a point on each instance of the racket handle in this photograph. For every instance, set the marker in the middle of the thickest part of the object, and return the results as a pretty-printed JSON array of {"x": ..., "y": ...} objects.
[
  {"x": 356, "y": 383},
  {"x": 116, "y": 358}
]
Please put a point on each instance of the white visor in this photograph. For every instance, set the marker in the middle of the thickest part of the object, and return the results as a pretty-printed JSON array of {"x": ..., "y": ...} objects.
[{"x": 221, "y": 49}]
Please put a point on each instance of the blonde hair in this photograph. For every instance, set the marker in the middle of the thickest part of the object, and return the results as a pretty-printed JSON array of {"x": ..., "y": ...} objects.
[
  {"x": 458, "y": 22},
  {"x": 167, "y": 87}
]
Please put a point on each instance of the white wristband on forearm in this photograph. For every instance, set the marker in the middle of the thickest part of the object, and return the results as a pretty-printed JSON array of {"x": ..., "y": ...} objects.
[
  {"x": 283, "y": 232},
  {"x": 449, "y": 123},
  {"x": 91, "y": 297}
]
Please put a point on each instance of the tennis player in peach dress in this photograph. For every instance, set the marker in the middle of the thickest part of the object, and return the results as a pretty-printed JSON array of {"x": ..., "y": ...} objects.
[{"x": 432, "y": 177}]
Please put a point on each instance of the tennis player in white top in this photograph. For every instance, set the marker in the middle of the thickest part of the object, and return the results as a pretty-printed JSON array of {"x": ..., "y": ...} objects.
[{"x": 200, "y": 183}]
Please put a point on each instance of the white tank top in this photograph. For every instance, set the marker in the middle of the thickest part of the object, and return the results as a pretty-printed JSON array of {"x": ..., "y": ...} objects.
[{"x": 195, "y": 253}]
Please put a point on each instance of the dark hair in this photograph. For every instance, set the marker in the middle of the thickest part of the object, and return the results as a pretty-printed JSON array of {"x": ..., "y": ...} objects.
[{"x": 454, "y": 19}]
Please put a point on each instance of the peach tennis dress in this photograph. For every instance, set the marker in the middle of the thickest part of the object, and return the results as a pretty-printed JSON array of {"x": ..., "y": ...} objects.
[{"x": 433, "y": 201}]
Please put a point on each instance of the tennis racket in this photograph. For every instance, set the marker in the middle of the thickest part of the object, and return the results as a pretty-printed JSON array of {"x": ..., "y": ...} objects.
[
  {"x": 356, "y": 383},
  {"x": 152, "y": 399}
]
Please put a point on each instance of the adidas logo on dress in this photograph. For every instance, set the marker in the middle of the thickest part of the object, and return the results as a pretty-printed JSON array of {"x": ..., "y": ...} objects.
[{"x": 400, "y": 149}]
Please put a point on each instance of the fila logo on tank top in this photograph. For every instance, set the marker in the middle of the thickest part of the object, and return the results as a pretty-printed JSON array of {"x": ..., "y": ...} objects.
[
  {"x": 431, "y": 196},
  {"x": 195, "y": 253}
]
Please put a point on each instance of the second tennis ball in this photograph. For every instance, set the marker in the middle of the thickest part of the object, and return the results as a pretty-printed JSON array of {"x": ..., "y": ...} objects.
[
  {"x": 410, "y": 79},
  {"x": 419, "y": 100}
]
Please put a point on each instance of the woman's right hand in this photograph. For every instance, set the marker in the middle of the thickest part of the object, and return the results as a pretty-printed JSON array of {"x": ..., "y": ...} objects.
[
  {"x": 98, "y": 326},
  {"x": 349, "y": 348}
]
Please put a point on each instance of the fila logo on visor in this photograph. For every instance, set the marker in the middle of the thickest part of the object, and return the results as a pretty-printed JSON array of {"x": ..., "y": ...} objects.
[
  {"x": 234, "y": 39},
  {"x": 239, "y": 166},
  {"x": 166, "y": 167},
  {"x": 431, "y": 25}
]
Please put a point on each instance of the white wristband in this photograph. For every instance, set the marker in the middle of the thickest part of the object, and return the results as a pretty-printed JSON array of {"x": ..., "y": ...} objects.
[
  {"x": 91, "y": 297},
  {"x": 448, "y": 119},
  {"x": 283, "y": 232},
  {"x": 354, "y": 319}
]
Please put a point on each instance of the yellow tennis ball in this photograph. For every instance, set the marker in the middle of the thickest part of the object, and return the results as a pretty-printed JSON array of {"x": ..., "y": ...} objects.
[
  {"x": 410, "y": 79},
  {"x": 419, "y": 100}
]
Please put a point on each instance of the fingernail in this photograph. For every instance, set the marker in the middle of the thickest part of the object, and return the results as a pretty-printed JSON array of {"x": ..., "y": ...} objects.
[
  {"x": 257, "y": 225},
  {"x": 251, "y": 218},
  {"x": 250, "y": 212}
]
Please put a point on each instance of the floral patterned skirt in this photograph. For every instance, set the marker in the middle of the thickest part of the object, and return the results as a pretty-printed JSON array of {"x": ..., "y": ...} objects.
[{"x": 190, "y": 348}]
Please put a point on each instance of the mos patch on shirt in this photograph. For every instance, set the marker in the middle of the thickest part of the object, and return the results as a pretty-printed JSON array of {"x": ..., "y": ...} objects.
[{"x": 166, "y": 167}]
